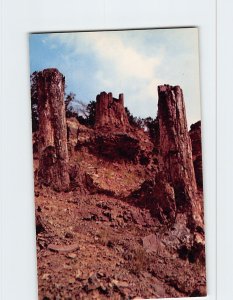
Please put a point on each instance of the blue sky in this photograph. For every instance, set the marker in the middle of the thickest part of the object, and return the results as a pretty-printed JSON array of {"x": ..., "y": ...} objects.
[{"x": 132, "y": 62}]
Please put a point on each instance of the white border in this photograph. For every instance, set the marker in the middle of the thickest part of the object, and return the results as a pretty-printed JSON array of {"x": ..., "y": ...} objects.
[
  {"x": 224, "y": 150},
  {"x": 18, "y": 264}
]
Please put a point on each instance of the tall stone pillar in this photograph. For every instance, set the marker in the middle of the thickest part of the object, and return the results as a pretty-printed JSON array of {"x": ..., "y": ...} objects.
[
  {"x": 52, "y": 145},
  {"x": 176, "y": 150},
  {"x": 195, "y": 136},
  {"x": 110, "y": 112}
]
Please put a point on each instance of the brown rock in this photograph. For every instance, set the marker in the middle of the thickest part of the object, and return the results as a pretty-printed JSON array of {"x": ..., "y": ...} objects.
[
  {"x": 150, "y": 243},
  {"x": 158, "y": 196},
  {"x": 110, "y": 112},
  {"x": 115, "y": 146},
  {"x": 73, "y": 127},
  {"x": 176, "y": 150},
  {"x": 63, "y": 248},
  {"x": 39, "y": 224},
  {"x": 93, "y": 283},
  {"x": 52, "y": 141},
  {"x": 195, "y": 135}
]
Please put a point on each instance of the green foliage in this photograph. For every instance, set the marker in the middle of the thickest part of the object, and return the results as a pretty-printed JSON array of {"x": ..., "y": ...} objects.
[
  {"x": 148, "y": 124},
  {"x": 70, "y": 99},
  {"x": 133, "y": 121},
  {"x": 152, "y": 126},
  {"x": 87, "y": 117},
  {"x": 91, "y": 111}
]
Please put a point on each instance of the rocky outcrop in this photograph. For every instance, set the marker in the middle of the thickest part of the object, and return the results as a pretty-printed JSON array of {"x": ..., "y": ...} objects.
[
  {"x": 195, "y": 135},
  {"x": 114, "y": 137},
  {"x": 115, "y": 146},
  {"x": 110, "y": 113},
  {"x": 52, "y": 136},
  {"x": 158, "y": 196},
  {"x": 176, "y": 151}
]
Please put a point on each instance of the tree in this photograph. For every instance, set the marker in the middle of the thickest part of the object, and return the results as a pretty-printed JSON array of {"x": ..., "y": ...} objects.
[
  {"x": 88, "y": 112},
  {"x": 134, "y": 121},
  {"x": 70, "y": 99},
  {"x": 130, "y": 117},
  {"x": 91, "y": 111},
  {"x": 152, "y": 126}
]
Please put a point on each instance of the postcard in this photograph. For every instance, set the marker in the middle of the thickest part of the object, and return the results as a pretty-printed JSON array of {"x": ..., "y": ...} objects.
[{"x": 117, "y": 154}]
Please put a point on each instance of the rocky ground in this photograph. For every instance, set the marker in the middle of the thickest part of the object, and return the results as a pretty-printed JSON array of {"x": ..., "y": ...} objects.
[
  {"x": 94, "y": 243},
  {"x": 100, "y": 247}
]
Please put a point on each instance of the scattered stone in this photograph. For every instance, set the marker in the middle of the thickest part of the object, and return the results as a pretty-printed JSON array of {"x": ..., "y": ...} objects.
[
  {"x": 150, "y": 243},
  {"x": 69, "y": 235},
  {"x": 78, "y": 274},
  {"x": 108, "y": 215},
  {"x": 90, "y": 217},
  {"x": 71, "y": 280},
  {"x": 100, "y": 274},
  {"x": 118, "y": 283},
  {"x": 39, "y": 224},
  {"x": 103, "y": 289},
  {"x": 127, "y": 217},
  {"x": 103, "y": 205},
  {"x": 110, "y": 244},
  {"x": 63, "y": 248},
  {"x": 72, "y": 255},
  {"x": 92, "y": 284},
  {"x": 45, "y": 276}
]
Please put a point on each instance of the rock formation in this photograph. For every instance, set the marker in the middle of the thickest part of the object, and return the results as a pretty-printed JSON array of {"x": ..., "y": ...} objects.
[
  {"x": 116, "y": 146},
  {"x": 133, "y": 200},
  {"x": 195, "y": 135},
  {"x": 110, "y": 112},
  {"x": 52, "y": 141},
  {"x": 176, "y": 151},
  {"x": 158, "y": 196}
]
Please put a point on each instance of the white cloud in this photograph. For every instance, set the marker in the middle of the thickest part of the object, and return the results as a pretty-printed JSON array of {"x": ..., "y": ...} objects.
[
  {"x": 125, "y": 59},
  {"x": 118, "y": 63},
  {"x": 113, "y": 52}
]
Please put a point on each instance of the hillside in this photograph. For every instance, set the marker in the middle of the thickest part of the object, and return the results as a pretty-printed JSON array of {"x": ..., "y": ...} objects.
[{"x": 119, "y": 212}]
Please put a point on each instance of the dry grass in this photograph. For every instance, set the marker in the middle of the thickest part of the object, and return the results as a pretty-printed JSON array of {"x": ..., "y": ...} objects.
[{"x": 137, "y": 260}]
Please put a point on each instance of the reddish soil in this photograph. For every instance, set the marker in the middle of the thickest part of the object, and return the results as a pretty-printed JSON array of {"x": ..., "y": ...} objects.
[
  {"x": 109, "y": 257},
  {"x": 119, "y": 211}
]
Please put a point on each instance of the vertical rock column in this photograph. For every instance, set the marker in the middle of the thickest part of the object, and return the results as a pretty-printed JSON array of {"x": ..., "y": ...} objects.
[
  {"x": 176, "y": 151},
  {"x": 110, "y": 112},
  {"x": 53, "y": 152},
  {"x": 195, "y": 136}
]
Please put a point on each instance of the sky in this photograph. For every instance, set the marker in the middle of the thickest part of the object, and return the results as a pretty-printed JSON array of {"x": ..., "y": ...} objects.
[{"x": 132, "y": 62}]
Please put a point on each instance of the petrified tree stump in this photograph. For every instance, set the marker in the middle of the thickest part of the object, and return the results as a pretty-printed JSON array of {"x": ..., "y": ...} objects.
[
  {"x": 176, "y": 151},
  {"x": 110, "y": 112},
  {"x": 195, "y": 135},
  {"x": 52, "y": 144}
]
